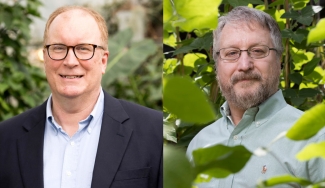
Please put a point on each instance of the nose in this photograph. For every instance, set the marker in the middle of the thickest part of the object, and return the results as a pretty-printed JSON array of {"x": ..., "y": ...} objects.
[
  {"x": 245, "y": 62},
  {"x": 71, "y": 60}
]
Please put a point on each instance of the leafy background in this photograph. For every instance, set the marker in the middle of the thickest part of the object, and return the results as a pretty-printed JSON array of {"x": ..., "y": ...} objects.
[
  {"x": 134, "y": 68},
  {"x": 192, "y": 97}
]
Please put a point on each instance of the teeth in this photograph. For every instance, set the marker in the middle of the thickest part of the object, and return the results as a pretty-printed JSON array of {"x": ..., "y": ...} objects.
[{"x": 71, "y": 77}]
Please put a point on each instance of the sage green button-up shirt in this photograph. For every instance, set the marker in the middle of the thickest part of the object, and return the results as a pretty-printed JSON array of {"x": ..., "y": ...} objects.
[{"x": 258, "y": 127}]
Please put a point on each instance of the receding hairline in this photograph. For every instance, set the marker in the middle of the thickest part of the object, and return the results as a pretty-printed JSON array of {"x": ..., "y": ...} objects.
[{"x": 101, "y": 23}]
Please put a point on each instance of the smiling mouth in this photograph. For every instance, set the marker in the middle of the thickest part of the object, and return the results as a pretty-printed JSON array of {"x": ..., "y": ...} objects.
[{"x": 71, "y": 77}]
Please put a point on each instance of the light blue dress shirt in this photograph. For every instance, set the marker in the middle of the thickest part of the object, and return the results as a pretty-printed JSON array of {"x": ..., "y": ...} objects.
[
  {"x": 257, "y": 128},
  {"x": 69, "y": 161}
]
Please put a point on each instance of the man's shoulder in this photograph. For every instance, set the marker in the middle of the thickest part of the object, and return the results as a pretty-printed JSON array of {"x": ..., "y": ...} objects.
[
  {"x": 138, "y": 109},
  {"x": 209, "y": 135},
  {"x": 14, "y": 124}
]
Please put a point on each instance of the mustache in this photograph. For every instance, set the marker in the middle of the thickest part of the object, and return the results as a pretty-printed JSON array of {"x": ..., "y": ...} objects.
[{"x": 245, "y": 76}]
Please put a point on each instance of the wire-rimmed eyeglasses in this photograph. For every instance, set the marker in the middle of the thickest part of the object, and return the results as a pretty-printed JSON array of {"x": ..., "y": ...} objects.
[
  {"x": 81, "y": 51},
  {"x": 255, "y": 52}
]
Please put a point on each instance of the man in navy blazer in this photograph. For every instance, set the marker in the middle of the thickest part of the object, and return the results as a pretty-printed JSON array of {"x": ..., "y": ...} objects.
[{"x": 81, "y": 136}]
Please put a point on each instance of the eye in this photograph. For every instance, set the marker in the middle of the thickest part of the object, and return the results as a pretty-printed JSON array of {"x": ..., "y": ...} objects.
[
  {"x": 84, "y": 48},
  {"x": 258, "y": 51},
  {"x": 231, "y": 52},
  {"x": 58, "y": 48}
]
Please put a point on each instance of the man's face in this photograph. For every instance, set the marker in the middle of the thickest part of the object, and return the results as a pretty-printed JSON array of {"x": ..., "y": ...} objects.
[
  {"x": 247, "y": 82},
  {"x": 72, "y": 77}
]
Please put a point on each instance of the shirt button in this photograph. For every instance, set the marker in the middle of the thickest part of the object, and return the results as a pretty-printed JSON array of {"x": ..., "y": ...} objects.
[
  {"x": 89, "y": 130},
  {"x": 72, "y": 143},
  {"x": 68, "y": 173},
  {"x": 257, "y": 124},
  {"x": 235, "y": 137}
]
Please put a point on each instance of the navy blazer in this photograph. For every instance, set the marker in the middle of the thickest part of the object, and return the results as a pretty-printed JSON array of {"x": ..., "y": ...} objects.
[{"x": 129, "y": 151}]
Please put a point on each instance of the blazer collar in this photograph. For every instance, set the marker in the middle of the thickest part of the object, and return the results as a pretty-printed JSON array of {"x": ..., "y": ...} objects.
[
  {"x": 30, "y": 148},
  {"x": 113, "y": 141}
]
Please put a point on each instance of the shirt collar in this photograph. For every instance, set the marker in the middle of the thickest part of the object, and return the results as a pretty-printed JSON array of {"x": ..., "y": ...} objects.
[
  {"x": 262, "y": 112},
  {"x": 95, "y": 113}
]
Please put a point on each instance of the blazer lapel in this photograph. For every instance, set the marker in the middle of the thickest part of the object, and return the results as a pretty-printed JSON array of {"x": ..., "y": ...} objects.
[
  {"x": 113, "y": 141},
  {"x": 30, "y": 148}
]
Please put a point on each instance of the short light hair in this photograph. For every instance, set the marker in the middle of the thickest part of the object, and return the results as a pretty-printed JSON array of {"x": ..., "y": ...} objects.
[
  {"x": 98, "y": 18},
  {"x": 246, "y": 15}
]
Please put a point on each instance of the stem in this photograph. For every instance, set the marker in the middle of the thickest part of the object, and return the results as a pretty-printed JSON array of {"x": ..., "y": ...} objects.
[
  {"x": 179, "y": 56},
  {"x": 266, "y": 4},
  {"x": 287, "y": 54}
]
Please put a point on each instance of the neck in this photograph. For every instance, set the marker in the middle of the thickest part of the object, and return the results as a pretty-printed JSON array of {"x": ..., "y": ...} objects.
[
  {"x": 236, "y": 113},
  {"x": 69, "y": 112}
]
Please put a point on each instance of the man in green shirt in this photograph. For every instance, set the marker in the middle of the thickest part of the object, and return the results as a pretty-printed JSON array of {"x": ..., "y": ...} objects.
[{"x": 247, "y": 49}]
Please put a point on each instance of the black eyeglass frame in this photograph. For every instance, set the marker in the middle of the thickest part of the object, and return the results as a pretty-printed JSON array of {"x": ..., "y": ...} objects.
[
  {"x": 73, "y": 49},
  {"x": 218, "y": 52}
]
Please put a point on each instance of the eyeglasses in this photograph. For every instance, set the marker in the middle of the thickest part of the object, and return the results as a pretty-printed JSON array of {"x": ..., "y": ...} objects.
[
  {"x": 81, "y": 51},
  {"x": 255, "y": 52}
]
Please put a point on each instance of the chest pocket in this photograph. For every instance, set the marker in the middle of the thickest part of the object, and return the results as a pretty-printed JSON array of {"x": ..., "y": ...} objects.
[{"x": 136, "y": 178}]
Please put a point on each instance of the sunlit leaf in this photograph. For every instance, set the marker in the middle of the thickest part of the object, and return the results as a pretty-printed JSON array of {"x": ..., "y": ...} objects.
[
  {"x": 314, "y": 118},
  {"x": 167, "y": 11},
  {"x": 197, "y": 15},
  {"x": 219, "y": 161},
  {"x": 184, "y": 99},
  {"x": 312, "y": 150},
  {"x": 178, "y": 172},
  {"x": 192, "y": 60},
  {"x": 285, "y": 179},
  {"x": 317, "y": 33}
]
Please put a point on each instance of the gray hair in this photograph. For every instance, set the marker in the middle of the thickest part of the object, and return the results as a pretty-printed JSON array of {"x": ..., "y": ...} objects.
[{"x": 243, "y": 14}]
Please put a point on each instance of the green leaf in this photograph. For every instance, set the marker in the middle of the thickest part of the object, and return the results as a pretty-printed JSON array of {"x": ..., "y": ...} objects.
[
  {"x": 167, "y": 11},
  {"x": 170, "y": 132},
  {"x": 312, "y": 150},
  {"x": 311, "y": 65},
  {"x": 184, "y": 99},
  {"x": 197, "y": 15},
  {"x": 236, "y": 3},
  {"x": 297, "y": 101},
  {"x": 296, "y": 77},
  {"x": 317, "y": 33},
  {"x": 219, "y": 161},
  {"x": 178, "y": 172},
  {"x": 289, "y": 93},
  {"x": 199, "y": 43},
  {"x": 193, "y": 60},
  {"x": 306, "y": 20},
  {"x": 314, "y": 118},
  {"x": 307, "y": 11},
  {"x": 308, "y": 92},
  {"x": 276, "y": 3},
  {"x": 3, "y": 87},
  {"x": 291, "y": 14},
  {"x": 285, "y": 179}
]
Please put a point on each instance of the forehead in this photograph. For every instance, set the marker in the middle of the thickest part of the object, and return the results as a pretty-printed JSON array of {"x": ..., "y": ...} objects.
[
  {"x": 74, "y": 24},
  {"x": 244, "y": 35}
]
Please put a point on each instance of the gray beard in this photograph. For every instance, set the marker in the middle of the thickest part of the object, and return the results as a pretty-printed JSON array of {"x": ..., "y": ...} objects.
[{"x": 266, "y": 88}]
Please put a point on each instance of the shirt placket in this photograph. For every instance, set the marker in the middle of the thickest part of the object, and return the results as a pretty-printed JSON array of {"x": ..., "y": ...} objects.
[{"x": 70, "y": 162}]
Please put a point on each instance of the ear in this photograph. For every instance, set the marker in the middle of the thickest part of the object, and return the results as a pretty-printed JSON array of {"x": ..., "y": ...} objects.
[
  {"x": 104, "y": 61},
  {"x": 44, "y": 59}
]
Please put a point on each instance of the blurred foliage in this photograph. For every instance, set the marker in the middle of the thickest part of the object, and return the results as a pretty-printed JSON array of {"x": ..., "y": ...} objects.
[
  {"x": 188, "y": 62},
  {"x": 22, "y": 85},
  {"x": 134, "y": 68}
]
